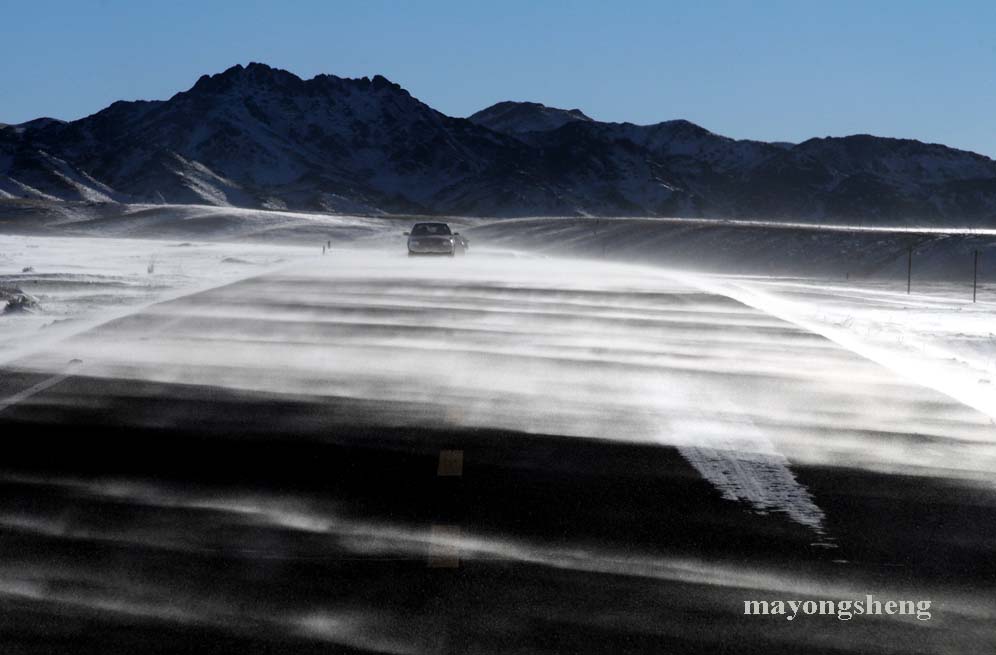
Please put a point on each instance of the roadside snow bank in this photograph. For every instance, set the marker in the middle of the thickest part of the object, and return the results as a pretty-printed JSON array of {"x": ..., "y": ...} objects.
[
  {"x": 937, "y": 337},
  {"x": 51, "y": 287}
]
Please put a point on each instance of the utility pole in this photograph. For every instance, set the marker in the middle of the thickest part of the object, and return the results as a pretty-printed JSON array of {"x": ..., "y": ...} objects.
[
  {"x": 975, "y": 276},
  {"x": 598, "y": 224},
  {"x": 909, "y": 271}
]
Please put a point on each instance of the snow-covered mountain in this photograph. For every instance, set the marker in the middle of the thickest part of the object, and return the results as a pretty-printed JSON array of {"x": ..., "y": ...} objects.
[{"x": 261, "y": 137}]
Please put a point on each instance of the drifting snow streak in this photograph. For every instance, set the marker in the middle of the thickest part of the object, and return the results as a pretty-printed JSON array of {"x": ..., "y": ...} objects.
[
  {"x": 752, "y": 471},
  {"x": 763, "y": 480},
  {"x": 344, "y": 536},
  {"x": 580, "y": 349}
]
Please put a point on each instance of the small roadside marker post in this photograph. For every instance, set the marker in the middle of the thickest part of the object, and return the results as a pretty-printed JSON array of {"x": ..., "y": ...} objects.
[
  {"x": 975, "y": 276},
  {"x": 909, "y": 271}
]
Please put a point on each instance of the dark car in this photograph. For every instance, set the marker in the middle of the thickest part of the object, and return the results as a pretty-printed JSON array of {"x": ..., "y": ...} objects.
[{"x": 435, "y": 239}]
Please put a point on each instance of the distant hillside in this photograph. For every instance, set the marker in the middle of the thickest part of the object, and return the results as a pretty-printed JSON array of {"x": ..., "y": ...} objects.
[{"x": 260, "y": 137}]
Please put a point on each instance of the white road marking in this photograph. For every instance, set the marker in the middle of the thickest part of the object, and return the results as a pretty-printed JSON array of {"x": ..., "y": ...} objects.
[{"x": 38, "y": 388}]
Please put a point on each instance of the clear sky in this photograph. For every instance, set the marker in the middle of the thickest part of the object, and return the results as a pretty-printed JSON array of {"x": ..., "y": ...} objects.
[{"x": 767, "y": 70}]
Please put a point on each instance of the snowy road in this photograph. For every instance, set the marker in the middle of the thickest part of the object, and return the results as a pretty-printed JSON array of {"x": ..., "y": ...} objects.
[
  {"x": 547, "y": 345},
  {"x": 621, "y": 425}
]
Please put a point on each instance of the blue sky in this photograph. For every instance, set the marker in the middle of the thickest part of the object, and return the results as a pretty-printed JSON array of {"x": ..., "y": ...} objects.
[{"x": 764, "y": 70}]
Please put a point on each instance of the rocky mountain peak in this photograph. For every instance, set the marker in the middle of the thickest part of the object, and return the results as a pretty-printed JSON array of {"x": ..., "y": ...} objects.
[{"x": 512, "y": 117}]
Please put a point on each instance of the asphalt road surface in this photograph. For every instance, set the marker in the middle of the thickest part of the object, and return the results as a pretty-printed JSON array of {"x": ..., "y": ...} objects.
[{"x": 482, "y": 455}]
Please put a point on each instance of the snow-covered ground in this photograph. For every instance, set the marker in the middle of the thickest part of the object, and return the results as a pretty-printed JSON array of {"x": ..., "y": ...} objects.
[
  {"x": 81, "y": 282},
  {"x": 835, "y": 252},
  {"x": 190, "y": 222},
  {"x": 936, "y": 336}
]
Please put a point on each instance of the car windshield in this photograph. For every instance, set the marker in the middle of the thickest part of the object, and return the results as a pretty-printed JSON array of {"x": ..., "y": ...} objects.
[{"x": 427, "y": 229}]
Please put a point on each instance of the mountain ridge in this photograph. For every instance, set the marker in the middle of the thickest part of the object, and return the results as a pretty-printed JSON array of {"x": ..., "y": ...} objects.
[{"x": 262, "y": 137}]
